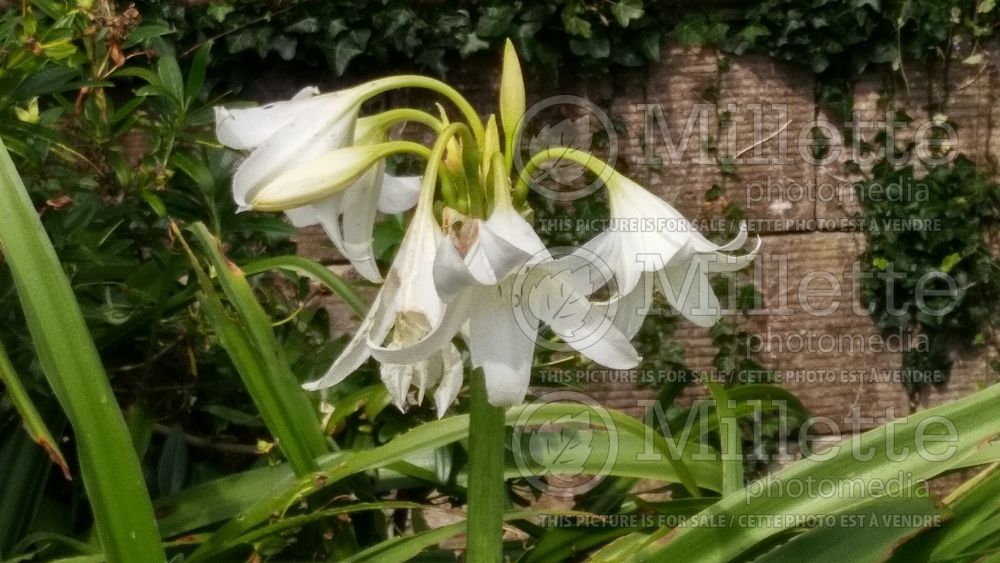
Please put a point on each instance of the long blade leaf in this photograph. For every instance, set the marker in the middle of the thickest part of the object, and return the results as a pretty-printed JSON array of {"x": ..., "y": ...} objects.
[{"x": 123, "y": 513}]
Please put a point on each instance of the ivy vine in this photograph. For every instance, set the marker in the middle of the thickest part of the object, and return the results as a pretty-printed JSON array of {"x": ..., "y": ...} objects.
[
  {"x": 928, "y": 273},
  {"x": 577, "y": 36}
]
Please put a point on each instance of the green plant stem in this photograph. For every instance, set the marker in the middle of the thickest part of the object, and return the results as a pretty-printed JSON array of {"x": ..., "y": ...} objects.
[
  {"x": 602, "y": 169},
  {"x": 487, "y": 488},
  {"x": 383, "y": 85},
  {"x": 729, "y": 440},
  {"x": 123, "y": 513}
]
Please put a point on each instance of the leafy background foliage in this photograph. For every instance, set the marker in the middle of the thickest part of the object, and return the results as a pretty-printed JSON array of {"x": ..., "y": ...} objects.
[{"x": 372, "y": 36}]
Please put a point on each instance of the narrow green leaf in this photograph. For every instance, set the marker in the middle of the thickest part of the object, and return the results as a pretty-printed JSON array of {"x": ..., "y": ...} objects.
[
  {"x": 251, "y": 344},
  {"x": 169, "y": 73},
  {"x": 32, "y": 420},
  {"x": 306, "y": 267},
  {"x": 196, "y": 74},
  {"x": 864, "y": 534},
  {"x": 172, "y": 468},
  {"x": 123, "y": 514},
  {"x": 405, "y": 548},
  {"x": 430, "y": 436},
  {"x": 25, "y": 475},
  {"x": 729, "y": 437},
  {"x": 973, "y": 418}
]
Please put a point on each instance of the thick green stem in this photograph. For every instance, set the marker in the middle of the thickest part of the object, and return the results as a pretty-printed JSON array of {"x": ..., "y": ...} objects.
[
  {"x": 602, "y": 169},
  {"x": 436, "y": 153},
  {"x": 382, "y": 85},
  {"x": 387, "y": 119},
  {"x": 487, "y": 489}
]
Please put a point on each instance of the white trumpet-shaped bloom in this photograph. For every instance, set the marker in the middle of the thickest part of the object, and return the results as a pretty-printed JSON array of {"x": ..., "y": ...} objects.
[
  {"x": 404, "y": 312},
  {"x": 497, "y": 280},
  {"x": 291, "y": 143},
  {"x": 658, "y": 246}
]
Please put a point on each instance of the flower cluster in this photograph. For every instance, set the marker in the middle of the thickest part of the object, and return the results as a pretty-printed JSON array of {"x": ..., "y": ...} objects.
[{"x": 468, "y": 254}]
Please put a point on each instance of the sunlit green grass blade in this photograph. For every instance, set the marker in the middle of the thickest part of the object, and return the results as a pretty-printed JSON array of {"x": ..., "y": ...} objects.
[
  {"x": 217, "y": 500},
  {"x": 973, "y": 417},
  {"x": 854, "y": 537},
  {"x": 557, "y": 544},
  {"x": 123, "y": 513},
  {"x": 32, "y": 420},
  {"x": 729, "y": 439},
  {"x": 405, "y": 548},
  {"x": 229, "y": 496},
  {"x": 303, "y": 519},
  {"x": 251, "y": 344},
  {"x": 974, "y": 526},
  {"x": 432, "y": 435},
  {"x": 306, "y": 267}
]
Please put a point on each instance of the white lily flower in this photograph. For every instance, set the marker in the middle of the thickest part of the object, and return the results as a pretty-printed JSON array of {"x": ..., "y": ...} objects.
[
  {"x": 403, "y": 312},
  {"x": 659, "y": 246},
  {"x": 290, "y": 141},
  {"x": 285, "y": 134},
  {"x": 348, "y": 216},
  {"x": 476, "y": 271}
]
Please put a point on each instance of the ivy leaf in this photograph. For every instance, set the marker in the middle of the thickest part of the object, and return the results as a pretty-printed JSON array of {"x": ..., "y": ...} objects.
[
  {"x": 649, "y": 45},
  {"x": 218, "y": 11},
  {"x": 627, "y": 10},
  {"x": 335, "y": 27},
  {"x": 754, "y": 31},
  {"x": 472, "y": 44},
  {"x": 306, "y": 25},
  {"x": 495, "y": 21},
  {"x": 985, "y": 6},
  {"x": 348, "y": 46},
  {"x": 285, "y": 47},
  {"x": 575, "y": 25}
]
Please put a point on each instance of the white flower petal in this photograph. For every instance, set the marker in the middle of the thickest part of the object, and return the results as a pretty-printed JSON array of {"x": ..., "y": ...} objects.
[
  {"x": 246, "y": 128},
  {"x": 302, "y": 216},
  {"x": 501, "y": 255},
  {"x": 501, "y": 347},
  {"x": 508, "y": 224},
  {"x": 325, "y": 123},
  {"x": 451, "y": 380},
  {"x": 629, "y": 311},
  {"x": 687, "y": 289},
  {"x": 399, "y": 193},
  {"x": 374, "y": 326},
  {"x": 396, "y": 379},
  {"x": 718, "y": 262},
  {"x": 581, "y": 324},
  {"x": 358, "y": 223},
  {"x": 440, "y": 335},
  {"x": 451, "y": 274}
]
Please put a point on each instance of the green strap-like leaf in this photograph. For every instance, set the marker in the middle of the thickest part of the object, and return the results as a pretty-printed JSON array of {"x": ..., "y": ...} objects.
[
  {"x": 251, "y": 344},
  {"x": 33, "y": 422},
  {"x": 123, "y": 513}
]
